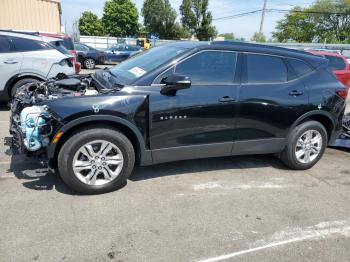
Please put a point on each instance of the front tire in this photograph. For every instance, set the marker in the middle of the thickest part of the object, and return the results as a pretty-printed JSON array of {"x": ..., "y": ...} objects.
[
  {"x": 89, "y": 63},
  {"x": 306, "y": 145},
  {"x": 96, "y": 161}
]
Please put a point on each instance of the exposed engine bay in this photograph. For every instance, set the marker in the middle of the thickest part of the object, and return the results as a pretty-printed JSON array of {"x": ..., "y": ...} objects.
[{"x": 32, "y": 124}]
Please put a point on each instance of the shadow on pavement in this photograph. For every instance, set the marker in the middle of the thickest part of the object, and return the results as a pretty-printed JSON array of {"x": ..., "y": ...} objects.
[
  {"x": 206, "y": 165},
  {"x": 32, "y": 172},
  {"x": 36, "y": 177}
]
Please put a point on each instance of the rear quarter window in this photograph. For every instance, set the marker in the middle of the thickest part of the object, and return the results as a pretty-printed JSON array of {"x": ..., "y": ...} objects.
[{"x": 300, "y": 67}]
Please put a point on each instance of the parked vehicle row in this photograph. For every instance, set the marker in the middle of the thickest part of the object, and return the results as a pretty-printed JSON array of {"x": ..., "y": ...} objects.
[
  {"x": 26, "y": 58},
  {"x": 121, "y": 52},
  {"x": 88, "y": 56},
  {"x": 181, "y": 101}
]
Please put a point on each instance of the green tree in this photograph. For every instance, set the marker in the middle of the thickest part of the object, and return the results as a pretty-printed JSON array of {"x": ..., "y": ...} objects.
[
  {"x": 90, "y": 24},
  {"x": 258, "y": 37},
  {"x": 295, "y": 26},
  {"x": 325, "y": 20},
  {"x": 160, "y": 18},
  {"x": 120, "y": 18},
  {"x": 197, "y": 19},
  {"x": 228, "y": 36}
]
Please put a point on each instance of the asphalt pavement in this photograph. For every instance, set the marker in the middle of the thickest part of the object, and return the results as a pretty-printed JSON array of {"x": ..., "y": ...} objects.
[{"x": 246, "y": 208}]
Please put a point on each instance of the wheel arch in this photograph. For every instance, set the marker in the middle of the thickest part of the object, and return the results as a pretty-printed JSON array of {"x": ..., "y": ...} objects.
[
  {"x": 323, "y": 117},
  {"x": 14, "y": 79},
  {"x": 142, "y": 155}
]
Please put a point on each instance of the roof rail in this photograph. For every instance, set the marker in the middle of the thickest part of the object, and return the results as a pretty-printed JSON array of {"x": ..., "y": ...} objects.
[
  {"x": 20, "y": 32},
  {"x": 258, "y": 45}
]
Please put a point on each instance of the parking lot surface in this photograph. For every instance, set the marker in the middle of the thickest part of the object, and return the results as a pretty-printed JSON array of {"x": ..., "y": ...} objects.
[{"x": 247, "y": 208}]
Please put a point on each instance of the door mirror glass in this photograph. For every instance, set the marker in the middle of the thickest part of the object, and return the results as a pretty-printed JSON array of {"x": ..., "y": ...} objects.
[{"x": 175, "y": 82}]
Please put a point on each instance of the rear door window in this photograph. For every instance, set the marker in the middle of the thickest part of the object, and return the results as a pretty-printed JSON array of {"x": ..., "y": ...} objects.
[
  {"x": 335, "y": 63},
  {"x": 27, "y": 45},
  {"x": 265, "y": 69},
  {"x": 209, "y": 68},
  {"x": 5, "y": 45}
]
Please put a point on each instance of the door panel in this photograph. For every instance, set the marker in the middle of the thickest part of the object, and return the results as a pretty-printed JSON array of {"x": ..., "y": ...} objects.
[
  {"x": 203, "y": 114},
  {"x": 192, "y": 117},
  {"x": 267, "y": 110},
  {"x": 10, "y": 61}
]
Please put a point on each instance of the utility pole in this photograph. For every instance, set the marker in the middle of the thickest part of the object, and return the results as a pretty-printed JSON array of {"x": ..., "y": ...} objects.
[{"x": 262, "y": 18}]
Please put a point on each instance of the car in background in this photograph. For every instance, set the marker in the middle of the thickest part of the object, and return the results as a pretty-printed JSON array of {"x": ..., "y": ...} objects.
[
  {"x": 67, "y": 43},
  {"x": 88, "y": 56},
  {"x": 26, "y": 58},
  {"x": 121, "y": 52},
  {"x": 346, "y": 53},
  {"x": 338, "y": 64},
  {"x": 334, "y": 51}
]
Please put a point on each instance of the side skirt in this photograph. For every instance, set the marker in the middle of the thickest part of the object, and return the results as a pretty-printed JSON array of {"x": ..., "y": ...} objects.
[
  {"x": 259, "y": 146},
  {"x": 191, "y": 152}
]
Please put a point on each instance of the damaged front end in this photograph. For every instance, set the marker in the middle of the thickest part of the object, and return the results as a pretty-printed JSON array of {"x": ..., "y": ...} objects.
[{"x": 32, "y": 123}]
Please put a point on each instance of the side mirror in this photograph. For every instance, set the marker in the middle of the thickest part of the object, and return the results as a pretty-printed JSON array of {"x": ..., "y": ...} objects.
[{"x": 175, "y": 82}]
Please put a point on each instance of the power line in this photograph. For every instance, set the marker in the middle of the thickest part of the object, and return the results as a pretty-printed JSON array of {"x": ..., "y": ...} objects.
[
  {"x": 237, "y": 15},
  {"x": 307, "y": 12},
  {"x": 277, "y": 10}
]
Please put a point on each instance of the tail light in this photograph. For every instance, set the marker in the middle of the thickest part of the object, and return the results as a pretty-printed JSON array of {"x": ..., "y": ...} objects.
[
  {"x": 342, "y": 93},
  {"x": 73, "y": 52},
  {"x": 77, "y": 66},
  {"x": 71, "y": 61}
]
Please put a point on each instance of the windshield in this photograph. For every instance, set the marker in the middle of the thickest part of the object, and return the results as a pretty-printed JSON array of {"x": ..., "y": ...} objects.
[{"x": 137, "y": 66}]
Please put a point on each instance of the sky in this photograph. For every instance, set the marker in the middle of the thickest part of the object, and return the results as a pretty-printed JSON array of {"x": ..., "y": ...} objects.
[{"x": 241, "y": 27}]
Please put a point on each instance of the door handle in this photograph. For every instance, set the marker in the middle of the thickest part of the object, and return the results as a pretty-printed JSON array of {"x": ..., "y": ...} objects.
[
  {"x": 226, "y": 99},
  {"x": 10, "y": 62},
  {"x": 296, "y": 93}
]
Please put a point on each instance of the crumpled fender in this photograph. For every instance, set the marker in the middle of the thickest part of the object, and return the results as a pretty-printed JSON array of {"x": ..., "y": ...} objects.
[
  {"x": 70, "y": 108},
  {"x": 128, "y": 110}
]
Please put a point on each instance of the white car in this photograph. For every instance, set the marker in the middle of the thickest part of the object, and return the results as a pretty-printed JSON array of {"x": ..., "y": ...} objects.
[{"x": 26, "y": 58}]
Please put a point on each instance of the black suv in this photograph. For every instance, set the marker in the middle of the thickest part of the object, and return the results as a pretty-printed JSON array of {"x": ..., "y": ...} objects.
[{"x": 181, "y": 101}]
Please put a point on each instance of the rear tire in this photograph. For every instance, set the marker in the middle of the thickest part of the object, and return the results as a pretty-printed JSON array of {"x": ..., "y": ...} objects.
[
  {"x": 81, "y": 161},
  {"x": 306, "y": 145},
  {"x": 89, "y": 63},
  {"x": 21, "y": 83}
]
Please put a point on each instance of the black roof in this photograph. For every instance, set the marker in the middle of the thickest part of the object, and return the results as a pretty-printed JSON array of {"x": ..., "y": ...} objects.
[{"x": 253, "y": 48}]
